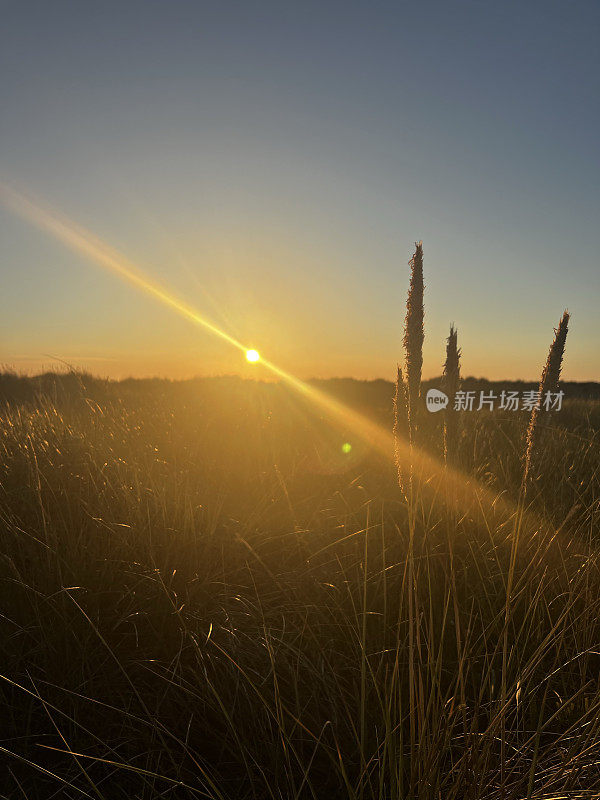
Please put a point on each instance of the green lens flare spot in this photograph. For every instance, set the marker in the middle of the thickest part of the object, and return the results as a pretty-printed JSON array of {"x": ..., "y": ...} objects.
[{"x": 346, "y": 447}]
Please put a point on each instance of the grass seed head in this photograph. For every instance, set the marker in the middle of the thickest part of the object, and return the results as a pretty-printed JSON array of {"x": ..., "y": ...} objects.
[
  {"x": 414, "y": 335},
  {"x": 451, "y": 386},
  {"x": 548, "y": 383}
]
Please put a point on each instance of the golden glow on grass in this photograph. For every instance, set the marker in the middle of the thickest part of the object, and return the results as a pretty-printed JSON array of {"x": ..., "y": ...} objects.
[
  {"x": 97, "y": 251},
  {"x": 457, "y": 490}
]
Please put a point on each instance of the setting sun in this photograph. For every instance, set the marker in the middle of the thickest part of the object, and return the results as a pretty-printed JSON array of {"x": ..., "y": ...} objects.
[{"x": 253, "y": 356}]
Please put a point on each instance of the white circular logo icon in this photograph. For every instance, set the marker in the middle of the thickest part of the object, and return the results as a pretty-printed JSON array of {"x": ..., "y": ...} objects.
[{"x": 436, "y": 400}]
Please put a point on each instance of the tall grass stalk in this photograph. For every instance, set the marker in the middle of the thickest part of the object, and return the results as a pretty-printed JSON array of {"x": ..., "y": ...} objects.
[
  {"x": 451, "y": 386},
  {"x": 414, "y": 336},
  {"x": 548, "y": 383}
]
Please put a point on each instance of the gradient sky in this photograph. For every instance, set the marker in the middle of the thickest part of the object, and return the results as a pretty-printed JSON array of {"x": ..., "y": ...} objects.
[{"x": 272, "y": 163}]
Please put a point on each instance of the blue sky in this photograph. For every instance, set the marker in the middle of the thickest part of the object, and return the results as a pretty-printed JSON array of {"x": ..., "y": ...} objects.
[{"x": 273, "y": 164}]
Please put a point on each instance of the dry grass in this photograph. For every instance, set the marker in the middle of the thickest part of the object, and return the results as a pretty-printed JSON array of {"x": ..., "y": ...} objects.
[
  {"x": 451, "y": 386},
  {"x": 202, "y": 596},
  {"x": 414, "y": 336},
  {"x": 548, "y": 383}
]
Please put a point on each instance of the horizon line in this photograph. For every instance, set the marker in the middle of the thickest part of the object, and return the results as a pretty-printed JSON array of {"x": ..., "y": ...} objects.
[{"x": 7, "y": 370}]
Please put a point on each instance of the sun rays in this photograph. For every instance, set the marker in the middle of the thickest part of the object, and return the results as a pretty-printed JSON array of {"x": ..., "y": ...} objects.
[{"x": 457, "y": 490}]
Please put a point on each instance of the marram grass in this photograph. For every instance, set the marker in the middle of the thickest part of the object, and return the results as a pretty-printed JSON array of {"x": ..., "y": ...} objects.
[
  {"x": 182, "y": 620},
  {"x": 549, "y": 383},
  {"x": 451, "y": 384},
  {"x": 203, "y": 598},
  {"x": 414, "y": 335}
]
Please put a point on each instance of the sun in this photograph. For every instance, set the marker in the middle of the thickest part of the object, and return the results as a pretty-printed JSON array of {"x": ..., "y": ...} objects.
[{"x": 252, "y": 356}]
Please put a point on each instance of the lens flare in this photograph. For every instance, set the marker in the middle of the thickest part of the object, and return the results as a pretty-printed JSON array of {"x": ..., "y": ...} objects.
[
  {"x": 98, "y": 251},
  {"x": 457, "y": 490}
]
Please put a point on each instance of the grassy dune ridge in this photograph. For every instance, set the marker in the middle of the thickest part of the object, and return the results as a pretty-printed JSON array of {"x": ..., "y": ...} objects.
[{"x": 203, "y": 595}]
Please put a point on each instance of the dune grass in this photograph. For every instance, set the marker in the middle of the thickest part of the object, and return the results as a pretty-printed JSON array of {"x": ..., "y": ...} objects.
[{"x": 206, "y": 597}]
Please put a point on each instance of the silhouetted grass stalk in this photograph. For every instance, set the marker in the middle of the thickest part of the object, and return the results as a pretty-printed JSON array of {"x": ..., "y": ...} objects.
[
  {"x": 413, "y": 347},
  {"x": 413, "y": 338},
  {"x": 451, "y": 386},
  {"x": 548, "y": 383}
]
